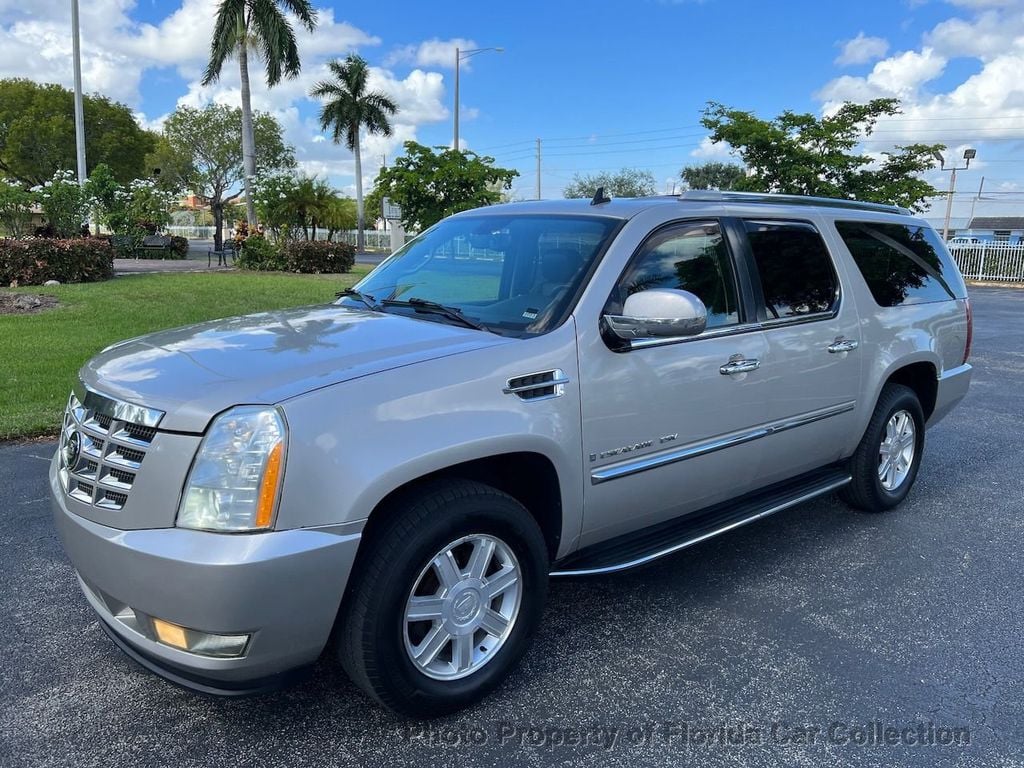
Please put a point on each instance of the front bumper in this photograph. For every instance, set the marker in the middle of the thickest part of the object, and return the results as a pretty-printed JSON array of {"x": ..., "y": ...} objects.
[{"x": 283, "y": 588}]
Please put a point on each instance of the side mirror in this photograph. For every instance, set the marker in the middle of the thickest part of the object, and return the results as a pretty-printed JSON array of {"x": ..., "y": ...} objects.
[{"x": 659, "y": 313}]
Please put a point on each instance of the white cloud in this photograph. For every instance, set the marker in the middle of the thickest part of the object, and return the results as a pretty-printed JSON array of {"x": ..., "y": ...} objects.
[
  {"x": 901, "y": 75},
  {"x": 862, "y": 49},
  {"x": 708, "y": 151},
  {"x": 432, "y": 53},
  {"x": 985, "y": 105}
]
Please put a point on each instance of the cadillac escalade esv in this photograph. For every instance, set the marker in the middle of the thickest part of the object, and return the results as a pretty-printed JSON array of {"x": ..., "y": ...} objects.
[{"x": 523, "y": 391}]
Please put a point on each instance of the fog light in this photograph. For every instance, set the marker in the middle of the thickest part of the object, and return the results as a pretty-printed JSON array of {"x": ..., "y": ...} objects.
[
  {"x": 170, "y": 634},
  {"x": 200, "y": 643}
]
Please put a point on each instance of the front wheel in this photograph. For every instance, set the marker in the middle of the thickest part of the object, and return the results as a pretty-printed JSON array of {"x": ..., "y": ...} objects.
[
  {"x": 886, "y": 461},
  {"x": 444, "y": 599}
]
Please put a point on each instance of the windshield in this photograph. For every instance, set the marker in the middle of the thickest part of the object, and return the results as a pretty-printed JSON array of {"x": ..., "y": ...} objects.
[{"x": 512, "y": 274}]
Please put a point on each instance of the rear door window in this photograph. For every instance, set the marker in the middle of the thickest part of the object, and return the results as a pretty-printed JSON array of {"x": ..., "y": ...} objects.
[
  {"x": 797, "y": 276},
  {"x": 901, "y": 264}
]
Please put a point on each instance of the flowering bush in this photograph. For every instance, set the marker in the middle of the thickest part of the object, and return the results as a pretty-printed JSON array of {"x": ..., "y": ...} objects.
[
  {"x": 138, "y": 210},
  {"x": 15, "y": 208},
  {"x": 318, "y": 256},
  {"x": 34, "y": 260},
  {"x": 65, "y": 204}
]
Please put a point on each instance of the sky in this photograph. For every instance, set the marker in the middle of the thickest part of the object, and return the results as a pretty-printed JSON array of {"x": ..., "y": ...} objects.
[{"x": 604, "y": 84}]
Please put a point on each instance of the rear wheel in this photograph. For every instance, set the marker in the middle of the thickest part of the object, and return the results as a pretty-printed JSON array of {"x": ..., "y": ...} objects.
[
  {"x": 886, "y": 461},
  {"x": 444, "y": 600}
]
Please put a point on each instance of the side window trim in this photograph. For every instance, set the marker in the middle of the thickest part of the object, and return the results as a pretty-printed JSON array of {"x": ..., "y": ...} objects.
[
  {"x": 744, "y": 292},
  {"x": 759, "y": 302}
]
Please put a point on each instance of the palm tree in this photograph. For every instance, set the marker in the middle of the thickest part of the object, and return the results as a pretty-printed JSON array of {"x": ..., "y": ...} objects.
[
  {"x": 349, "y": 108},
  {"x": 260, "y": 25}
]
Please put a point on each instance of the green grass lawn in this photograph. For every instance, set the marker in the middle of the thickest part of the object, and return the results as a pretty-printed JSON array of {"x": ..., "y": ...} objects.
[{"x": 41, "y": 353}]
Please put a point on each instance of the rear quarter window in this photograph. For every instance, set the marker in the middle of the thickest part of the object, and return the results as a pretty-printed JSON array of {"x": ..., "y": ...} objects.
[{"x": 901, "y": 263}]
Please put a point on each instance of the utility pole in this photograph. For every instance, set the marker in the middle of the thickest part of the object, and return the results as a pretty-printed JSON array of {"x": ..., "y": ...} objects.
[
  {"x": 538, "y": 169},
  {"x": 76, "y": 51},
  {"x": 975, "y": 202}
]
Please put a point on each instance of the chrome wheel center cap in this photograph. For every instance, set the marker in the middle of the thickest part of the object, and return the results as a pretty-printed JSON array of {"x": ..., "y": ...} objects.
[{"x": 465, "y": 606}]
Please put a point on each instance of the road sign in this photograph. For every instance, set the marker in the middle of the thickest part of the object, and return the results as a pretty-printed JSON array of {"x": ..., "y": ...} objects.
[{"x": 391, "y": 211}]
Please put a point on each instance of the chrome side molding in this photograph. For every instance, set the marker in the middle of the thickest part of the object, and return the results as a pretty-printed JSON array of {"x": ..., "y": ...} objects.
[{"x": 613, "y": 472}]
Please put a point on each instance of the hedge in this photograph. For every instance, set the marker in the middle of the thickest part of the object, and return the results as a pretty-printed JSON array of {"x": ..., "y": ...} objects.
[
  {"x": 33, "y": 261},
  {"x": 319, "y": 257}
]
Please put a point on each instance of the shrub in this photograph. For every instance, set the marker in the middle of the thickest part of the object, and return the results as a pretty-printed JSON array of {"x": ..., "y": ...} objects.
[
  {"x": 179, "y": 248},
  {"x": 36, "y": 260},
  {"x": 317, "y": 257},
  {"x": 260, "y": 254}
]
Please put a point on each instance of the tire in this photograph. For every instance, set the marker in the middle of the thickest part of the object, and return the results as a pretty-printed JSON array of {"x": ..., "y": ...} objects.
[
  {"x": 376, "y": 641},
  {"x": 868, "y": 490}
]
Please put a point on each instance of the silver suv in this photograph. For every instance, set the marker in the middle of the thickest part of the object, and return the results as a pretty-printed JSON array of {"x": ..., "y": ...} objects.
[{"x": 523, "y": 391}]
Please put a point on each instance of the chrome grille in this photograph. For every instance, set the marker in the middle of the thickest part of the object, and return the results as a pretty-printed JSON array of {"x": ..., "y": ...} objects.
[{"x": 102, "y": 447}]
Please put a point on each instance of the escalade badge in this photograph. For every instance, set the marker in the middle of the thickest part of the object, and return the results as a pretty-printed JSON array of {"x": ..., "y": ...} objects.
[{"x": 71, "y": 448}]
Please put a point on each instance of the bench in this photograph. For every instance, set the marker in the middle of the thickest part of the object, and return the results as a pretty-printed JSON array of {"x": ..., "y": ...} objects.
[
  {"x": 227, "y": 250},
  {"x": 159, "y": 243}
]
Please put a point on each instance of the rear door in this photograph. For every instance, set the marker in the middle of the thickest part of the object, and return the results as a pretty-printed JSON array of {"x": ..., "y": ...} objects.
[{"x": 812, "y": 329}]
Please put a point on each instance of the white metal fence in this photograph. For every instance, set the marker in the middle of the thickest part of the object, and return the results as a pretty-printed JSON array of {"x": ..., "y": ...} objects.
[
  {"x": 374, "y": 238},
  {"x": 996, "y": 262}
]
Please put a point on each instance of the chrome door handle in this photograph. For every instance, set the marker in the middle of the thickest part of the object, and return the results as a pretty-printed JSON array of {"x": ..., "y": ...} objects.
[
  {"x": 739, "y": 366},
  {"x": 843, "y": 345}
]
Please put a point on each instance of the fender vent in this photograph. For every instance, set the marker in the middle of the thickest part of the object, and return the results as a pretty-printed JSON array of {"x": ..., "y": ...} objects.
[{"x": 537, "y": 386}]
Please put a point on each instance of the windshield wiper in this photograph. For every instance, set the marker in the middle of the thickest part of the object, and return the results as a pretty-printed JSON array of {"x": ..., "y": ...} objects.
[
  {"x": 366, "y": 298},
  {"x": 422, "y": 305}
]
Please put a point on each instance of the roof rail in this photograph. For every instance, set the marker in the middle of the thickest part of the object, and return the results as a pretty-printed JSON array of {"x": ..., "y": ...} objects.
[{"x": 711, "y": 195}]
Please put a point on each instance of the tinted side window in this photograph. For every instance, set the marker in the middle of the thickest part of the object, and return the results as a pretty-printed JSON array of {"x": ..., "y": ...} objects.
[
  {"x": 901, "y": 264},
  {"x": 690, "y": 257},
  {"x": 796, "y": 270}
]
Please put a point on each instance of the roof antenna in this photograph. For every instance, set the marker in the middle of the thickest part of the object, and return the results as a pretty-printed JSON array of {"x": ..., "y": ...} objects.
[{"x": 599, "y": 197}]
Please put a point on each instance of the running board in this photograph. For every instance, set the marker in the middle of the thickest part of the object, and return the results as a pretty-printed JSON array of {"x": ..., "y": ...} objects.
[{"x": 647, "y": 544}]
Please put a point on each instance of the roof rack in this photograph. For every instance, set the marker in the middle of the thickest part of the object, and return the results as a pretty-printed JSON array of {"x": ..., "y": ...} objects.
[{"x": 710, "y": 195}]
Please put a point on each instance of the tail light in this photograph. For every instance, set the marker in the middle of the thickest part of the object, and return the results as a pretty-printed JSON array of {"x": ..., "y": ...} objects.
[{"x": 970, "y": 330}]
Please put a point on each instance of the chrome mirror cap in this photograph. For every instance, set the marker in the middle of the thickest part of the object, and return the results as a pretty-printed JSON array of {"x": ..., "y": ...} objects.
[{"x": 659, "y": 313}]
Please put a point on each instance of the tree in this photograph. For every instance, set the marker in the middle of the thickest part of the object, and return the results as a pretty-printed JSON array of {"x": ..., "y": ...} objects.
[
  {"x": 37, "y": 134},
  {"x": 712, "y": 176},
  {"x": 201, "y": 151},
  {"x": 629, "y": 182},
  {"x": 805, "y": 155},
  {"x": 259, "y": 25},
  {"x": 349, "y": 108},
  {"x": 431, "y": 183},
  {"x": 289, "y": 203}
]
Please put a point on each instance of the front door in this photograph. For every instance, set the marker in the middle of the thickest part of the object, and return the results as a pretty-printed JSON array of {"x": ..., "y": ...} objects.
[{"x": 668, "y": 427}]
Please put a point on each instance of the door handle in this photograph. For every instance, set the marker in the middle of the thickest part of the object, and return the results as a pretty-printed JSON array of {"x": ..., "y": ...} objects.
[
  {"x": 739, "y": 366},
  {"x": 843, "y": 345}
]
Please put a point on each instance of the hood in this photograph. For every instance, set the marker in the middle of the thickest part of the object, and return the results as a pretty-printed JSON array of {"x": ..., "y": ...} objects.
[{"x": 195, "y": 372}]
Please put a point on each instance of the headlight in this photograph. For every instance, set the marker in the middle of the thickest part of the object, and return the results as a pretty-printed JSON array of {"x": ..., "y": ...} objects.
[{"x": 236, "y": 476}]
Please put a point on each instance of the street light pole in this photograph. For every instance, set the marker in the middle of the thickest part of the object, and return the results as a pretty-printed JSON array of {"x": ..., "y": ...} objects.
[
  {"x": 969, "y": 154},
  {"x": 76, "y": 51},
  {"x": 459, "y": 56}
]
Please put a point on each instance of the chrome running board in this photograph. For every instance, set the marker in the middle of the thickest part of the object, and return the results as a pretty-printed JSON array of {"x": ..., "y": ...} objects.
[{"x": 657, "y": 541}]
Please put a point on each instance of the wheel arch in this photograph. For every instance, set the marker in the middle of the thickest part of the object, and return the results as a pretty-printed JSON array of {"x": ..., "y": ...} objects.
[{"x": 529, "y": 477}]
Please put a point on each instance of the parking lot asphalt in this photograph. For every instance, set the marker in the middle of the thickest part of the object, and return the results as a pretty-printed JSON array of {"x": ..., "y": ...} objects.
[{"x": 793, "y": 641}]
